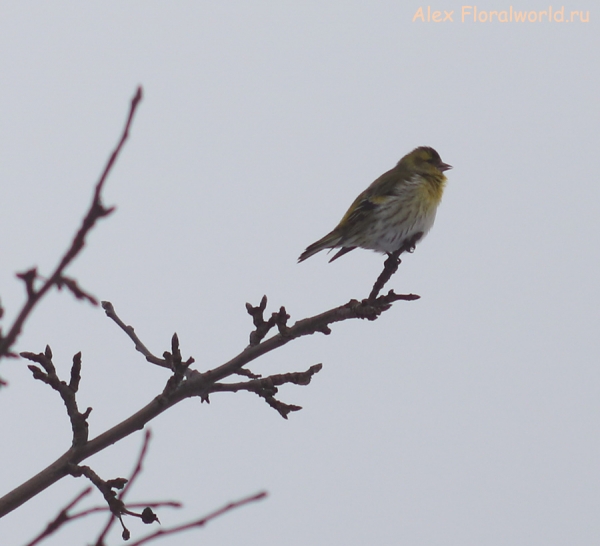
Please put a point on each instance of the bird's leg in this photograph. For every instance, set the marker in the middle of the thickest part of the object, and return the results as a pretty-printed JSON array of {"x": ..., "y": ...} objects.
[{"x": 411, "y": 244}]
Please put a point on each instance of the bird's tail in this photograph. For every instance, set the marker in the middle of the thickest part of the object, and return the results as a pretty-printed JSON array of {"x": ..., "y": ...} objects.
[{"x": 331, "y": 240}]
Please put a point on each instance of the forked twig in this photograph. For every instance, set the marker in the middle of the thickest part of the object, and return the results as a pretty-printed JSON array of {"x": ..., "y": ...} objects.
[
  {"x": 130, "y": 482},
  {"x": 94, "y": 213},
  {"x": 202, "y": 521},
  {"x": 62, "y": 518}
]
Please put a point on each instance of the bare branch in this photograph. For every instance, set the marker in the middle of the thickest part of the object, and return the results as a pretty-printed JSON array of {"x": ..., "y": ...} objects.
[
  {"x": 107, "y": 487},
  {"x": 130, "y": 506},
  {"x": 266, "y": 387},
  {"x": 281, "y": 407},
  {"x": 114, "y": 502},
  {"x": 132, "y": 478},
  {"x": 29, "y": 277},
  {"x": 200, "y": 383},
  {"x": 183, "y": 382},
  {"x": 79, "y": 424},
  {"x": 61, "y": 519},
  {"x": 104, "y": 486},
  {"x": 96, "y": 510},
  {"x": 94, "y": 213},
  {"x": 262, "y": 327},
  {"x": 200, "y": 522},
  {"x": 269, "y": 383},
  {"x": 247, "y": 373},
  {"x": 138, "y": 465},
  {"x": 391, "y": 265},
  {"x": 139, "y": 346},
  {"x": 180, "y": 368},
  {"x": 75, "y": 289}
]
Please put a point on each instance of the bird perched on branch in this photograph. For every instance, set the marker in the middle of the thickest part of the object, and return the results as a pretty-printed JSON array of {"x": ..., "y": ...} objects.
[{"x": 394, "y": 212}]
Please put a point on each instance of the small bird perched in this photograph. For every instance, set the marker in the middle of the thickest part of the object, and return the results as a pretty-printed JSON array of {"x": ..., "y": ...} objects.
[{"x": 395, "y": 211}]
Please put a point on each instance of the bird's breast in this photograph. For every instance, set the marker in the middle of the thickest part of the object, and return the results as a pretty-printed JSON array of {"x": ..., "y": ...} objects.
[{"x": 430, "y": 189}]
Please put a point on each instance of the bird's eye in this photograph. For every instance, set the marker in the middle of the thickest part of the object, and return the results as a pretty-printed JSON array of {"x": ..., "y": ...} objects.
[{"x": 434, "y": 158}]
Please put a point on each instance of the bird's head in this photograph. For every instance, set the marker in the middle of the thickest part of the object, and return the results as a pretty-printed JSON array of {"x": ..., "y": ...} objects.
[{"x": 424, "y": 160}]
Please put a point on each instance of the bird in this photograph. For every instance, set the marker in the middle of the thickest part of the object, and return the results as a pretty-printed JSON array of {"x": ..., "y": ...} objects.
[{"x": 394, "y": 212}]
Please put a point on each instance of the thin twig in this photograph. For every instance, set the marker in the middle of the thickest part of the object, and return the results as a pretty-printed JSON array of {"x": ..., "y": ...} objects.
[
  {"x": 390, "y": 266},
  {"x": 131, "y": 505},
  {"x": 198, "y": 384},
  {"x": 64, "y": 517},
  {"x": 179, "y": 367},
  {"x": 61, "y": 519},
  {"x": 75, "y": 289},
  {"x": 182, "y": 384},
  {"x": 132, "y": 478},
  {"x": 94, "y": 213},
  {"x": 106, "y": 487},
  {"x": 115, "y": 504},
  {"x": 266, "y": 387},
  {"x": 139, "y": 346},
  {"x": 200, "y": 522},
  {"x": 68, "y": 392}
]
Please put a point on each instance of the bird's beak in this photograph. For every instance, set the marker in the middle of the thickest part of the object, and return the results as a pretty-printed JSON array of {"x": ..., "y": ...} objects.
[{"x": 444, "y": 167}]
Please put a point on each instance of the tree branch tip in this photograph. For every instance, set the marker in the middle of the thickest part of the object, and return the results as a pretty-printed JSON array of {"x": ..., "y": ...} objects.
[
  {"x": 139, "y": 95},
  {"x": 284, "y": 412},
  {"x": 28, "y": 273},
  {"x": 244, "y": 372},
  {"x": 37, "y": 372},
  {"x": 117, "y": 483},
  {"x": 29, "y": 277},
  {"x": 392, "y": 296}
]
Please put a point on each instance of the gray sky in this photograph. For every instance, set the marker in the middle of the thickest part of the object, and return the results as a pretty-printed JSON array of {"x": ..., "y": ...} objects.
[{"x": 468, "y": 417}]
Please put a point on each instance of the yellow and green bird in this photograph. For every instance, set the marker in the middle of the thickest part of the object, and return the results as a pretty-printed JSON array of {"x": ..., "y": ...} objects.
[{"x": 395, "y": 211}]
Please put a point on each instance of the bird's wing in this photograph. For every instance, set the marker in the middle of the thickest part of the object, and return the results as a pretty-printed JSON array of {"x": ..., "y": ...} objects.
[{"x": 363, "y": 207}]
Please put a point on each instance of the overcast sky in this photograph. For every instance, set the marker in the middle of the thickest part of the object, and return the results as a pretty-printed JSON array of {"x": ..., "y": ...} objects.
[{"x": 467, "y": 417}]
